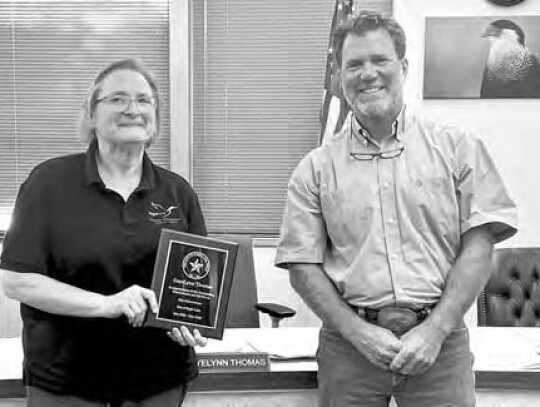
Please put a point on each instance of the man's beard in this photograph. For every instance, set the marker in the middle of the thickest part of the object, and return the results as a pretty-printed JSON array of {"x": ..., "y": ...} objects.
[{"x": 389, "y": 106}]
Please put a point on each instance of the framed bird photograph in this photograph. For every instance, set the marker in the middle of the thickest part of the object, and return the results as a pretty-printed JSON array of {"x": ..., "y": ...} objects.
[{"x": 482, "y": 57}]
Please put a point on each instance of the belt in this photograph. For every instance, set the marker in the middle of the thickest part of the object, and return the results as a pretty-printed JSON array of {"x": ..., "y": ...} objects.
[{"x": 397, "y": 319}]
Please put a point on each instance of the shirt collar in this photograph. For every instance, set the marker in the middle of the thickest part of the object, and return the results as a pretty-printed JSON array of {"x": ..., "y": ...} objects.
[
  {"x": 92, "y": 173},
  {"x": 361, "y": 134}
]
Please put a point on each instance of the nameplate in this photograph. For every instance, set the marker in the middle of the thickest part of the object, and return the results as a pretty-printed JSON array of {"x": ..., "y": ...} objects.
[{"x": 233, "y": 362}]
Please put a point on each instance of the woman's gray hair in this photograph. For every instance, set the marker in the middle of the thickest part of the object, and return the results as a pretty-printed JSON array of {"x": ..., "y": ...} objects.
[{"x": 86, "y": 128}]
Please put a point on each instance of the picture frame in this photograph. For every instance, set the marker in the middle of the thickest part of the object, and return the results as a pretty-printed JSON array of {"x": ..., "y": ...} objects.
[{"x": 482, "y": 57}]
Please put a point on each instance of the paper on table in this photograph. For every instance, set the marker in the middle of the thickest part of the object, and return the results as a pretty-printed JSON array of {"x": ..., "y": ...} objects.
[
  {"x": 532, "y": 337},
  {"x": 12, "y": 358},
  {"x": 285, "y": 344},
  {"x": 505, "y": 349},
  {"x": 279, "y": 343},
  {"x": 215, "y": 346}
]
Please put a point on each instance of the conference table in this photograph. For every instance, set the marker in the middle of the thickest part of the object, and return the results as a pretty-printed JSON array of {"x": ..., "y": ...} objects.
[{"x": 507, "y": 368}]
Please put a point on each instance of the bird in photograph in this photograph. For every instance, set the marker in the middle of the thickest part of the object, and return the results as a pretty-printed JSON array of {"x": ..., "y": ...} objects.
[{"x": 512, "y": 70}]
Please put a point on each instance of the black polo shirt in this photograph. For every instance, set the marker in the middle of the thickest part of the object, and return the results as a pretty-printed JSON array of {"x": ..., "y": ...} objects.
[{"x": 68, "y": 226}]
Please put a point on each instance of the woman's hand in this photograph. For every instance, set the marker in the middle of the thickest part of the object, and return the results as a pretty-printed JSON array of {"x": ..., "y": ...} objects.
[
  {"x": 186, "y": 338},
  {"x": 133, "y": 302}
]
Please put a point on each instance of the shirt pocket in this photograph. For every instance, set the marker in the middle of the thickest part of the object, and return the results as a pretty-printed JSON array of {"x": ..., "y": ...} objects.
[{"x": 433, "y": 203}]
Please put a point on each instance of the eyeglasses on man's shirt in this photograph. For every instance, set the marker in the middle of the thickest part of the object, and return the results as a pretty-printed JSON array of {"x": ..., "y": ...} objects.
[
  {"x": 122, "y": 102},
  {"x": 388, "y": 154}
]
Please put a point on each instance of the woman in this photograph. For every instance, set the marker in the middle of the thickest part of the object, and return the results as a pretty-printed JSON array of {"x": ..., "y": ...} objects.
[{"x": 80, "y": 253}]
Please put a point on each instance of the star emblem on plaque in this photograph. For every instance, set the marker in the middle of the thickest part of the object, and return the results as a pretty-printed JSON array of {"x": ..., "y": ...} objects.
[{"x": 196, "y": 265}]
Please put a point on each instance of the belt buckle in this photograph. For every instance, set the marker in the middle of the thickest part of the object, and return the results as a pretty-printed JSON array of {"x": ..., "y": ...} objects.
[{"x": 397, "y": 320}]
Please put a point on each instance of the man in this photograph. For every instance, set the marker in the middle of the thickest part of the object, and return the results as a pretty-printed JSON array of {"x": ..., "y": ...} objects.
[{"x": 388, "y": 235}]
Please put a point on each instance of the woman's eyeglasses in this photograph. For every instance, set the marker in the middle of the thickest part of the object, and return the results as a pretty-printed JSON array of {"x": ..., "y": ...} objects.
[{"x": 122, "y": 102}]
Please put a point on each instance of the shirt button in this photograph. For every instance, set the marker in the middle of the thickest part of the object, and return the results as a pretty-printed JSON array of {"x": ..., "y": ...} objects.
[{"x": 391, "y": 220}]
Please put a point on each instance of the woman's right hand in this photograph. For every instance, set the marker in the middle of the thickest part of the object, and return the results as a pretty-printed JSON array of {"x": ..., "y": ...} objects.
[{"x": 133, "y": 302}]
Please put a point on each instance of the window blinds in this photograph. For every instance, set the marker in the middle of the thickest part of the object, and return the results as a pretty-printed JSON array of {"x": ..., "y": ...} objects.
[
  {"x": 258, "y": 77},
  {"x": 50, "y": 52}
]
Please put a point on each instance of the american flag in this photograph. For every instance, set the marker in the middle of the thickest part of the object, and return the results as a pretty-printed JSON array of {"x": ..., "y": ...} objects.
[{"x": 334, "y": 109}]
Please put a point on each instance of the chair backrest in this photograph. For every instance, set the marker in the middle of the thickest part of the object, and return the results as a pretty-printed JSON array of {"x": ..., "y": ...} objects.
[
  {"x": 512, "y": 295},
  {"x": 241, "y": 312}
]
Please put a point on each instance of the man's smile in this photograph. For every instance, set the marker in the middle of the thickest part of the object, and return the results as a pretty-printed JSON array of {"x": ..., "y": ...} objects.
[
  {"x": 371, "y": 90},
  {"x": 131, "y": 124}
]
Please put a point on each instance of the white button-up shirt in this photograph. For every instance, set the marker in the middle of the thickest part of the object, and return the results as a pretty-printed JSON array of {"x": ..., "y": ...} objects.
[{"x": 385, "y": 220}]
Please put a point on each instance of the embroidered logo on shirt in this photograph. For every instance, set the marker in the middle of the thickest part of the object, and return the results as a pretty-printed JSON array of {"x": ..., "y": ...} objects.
[
  {"x": 163, "y": 214},
  {"x": 196, "y": 265}
]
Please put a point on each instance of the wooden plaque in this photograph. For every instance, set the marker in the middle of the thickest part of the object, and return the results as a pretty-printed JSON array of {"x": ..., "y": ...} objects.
[{"x": 192, "y": 281}]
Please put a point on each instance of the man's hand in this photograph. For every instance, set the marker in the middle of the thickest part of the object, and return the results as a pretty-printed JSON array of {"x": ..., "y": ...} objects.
[
  {"x": 421, "y": 346},
  {"x": 186, "y": 338},
  {"x": 132, "y": 302},
  {"x": 379, "y": 345}
]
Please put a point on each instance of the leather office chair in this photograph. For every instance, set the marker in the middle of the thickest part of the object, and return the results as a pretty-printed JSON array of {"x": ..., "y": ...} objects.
[
  {"x": 243, "y": 310},
  {"x": 512, "y": 295}
]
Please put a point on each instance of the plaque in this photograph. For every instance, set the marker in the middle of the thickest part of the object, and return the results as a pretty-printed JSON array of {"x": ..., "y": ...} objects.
[{"x": 192, "y": 281}]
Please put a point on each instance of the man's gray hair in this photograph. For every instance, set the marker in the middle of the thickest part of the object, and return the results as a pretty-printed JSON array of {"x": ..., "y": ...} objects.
[{"x": 370, "y": 21}]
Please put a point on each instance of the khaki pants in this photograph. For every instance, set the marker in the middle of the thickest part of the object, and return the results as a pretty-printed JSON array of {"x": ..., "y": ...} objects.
[
  {"x": 347, "y": 379},
  {"x": 41, "y": 398}
]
